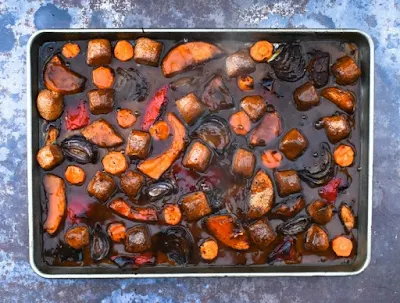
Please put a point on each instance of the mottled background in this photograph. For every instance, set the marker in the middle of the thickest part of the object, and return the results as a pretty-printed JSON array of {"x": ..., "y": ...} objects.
[{"x": 19, "y": 19}]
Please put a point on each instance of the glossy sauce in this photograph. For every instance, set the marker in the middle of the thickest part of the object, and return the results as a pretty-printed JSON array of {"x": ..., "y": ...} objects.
[{"x": 85, "y": 209}]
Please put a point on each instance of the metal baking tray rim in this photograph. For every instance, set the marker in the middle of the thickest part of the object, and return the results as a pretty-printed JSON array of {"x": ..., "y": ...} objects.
[{"x": 365, "y": 263}]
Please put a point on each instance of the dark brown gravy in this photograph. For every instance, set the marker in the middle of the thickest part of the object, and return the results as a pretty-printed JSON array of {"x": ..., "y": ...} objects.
[{"x": 89, "y": 211}]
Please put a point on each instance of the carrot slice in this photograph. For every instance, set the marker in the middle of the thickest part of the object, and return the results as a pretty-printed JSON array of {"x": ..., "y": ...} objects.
[
  {"x": 342, "y": 246},
  {"x": 125, "y": 118},
  {"x": 261, "y": 51},
  {"x": 160, "y": 130},
  {"x": 75, "y": 175},
  {"x": 271, "y": 158},
  {"x": 245, "y": 83},
  {"x": 103, "y": 77},
  {"x": 123, "y": 50},
  {"x": 172, "y": 214},
  {"x": 209, "y": 249},
  {"x": 344, "y": 155},
  {"x": 70, "y": 50},
  {"x": 240, "y": 123}
]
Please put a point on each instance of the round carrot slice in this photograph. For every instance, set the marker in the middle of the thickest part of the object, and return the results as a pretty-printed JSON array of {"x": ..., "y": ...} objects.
[
  {"x": 115, "y": 163},
  {"x": 344, "y": 155},
  {"x": 261, "y": 51},
  {"x": 240, "y": 123},
  {"x": 75, "y": 175},
  {"x": 159, "y": 130},
  {"x": 271, "y": 158},
  {"x": 245, "y": 82},
  {"x": 125, "y": 118},
  {"x": 172, "y": 214},
  {"x": 116, "y": 231},
  {"x": 70, "y": 50},
  {"x": 209, "y": 249},
  {"x": 123, "y": 50},
  {"x": 103, "y": 77},
  {"x": 342, "y": 246}
]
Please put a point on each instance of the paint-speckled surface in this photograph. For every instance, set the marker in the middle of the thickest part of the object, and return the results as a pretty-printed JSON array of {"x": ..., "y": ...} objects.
[{"x": 18, "y": 20}]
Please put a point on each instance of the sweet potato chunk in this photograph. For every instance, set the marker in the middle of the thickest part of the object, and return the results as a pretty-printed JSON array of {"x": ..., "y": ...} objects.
[
  {"x": 287, "y": 182},
  {"x": 306, "y": 96},
  {"x": 145, "y": 214},
  {"x": 50, "y": 104},
  {"x": 228, "y": 230},
  {"x": 138, "y": 144},
  {"x": 261, "y": 195},
  {"x": 243, "y": 163},
  {"x": 293, "y": 144},
  {"x": 59, "y": 78},
  {"x": 262, "y": 234},
  {"x": 54, "y": 188},
  {"x": 190, "y": 108},
  {"x": 115, "y": 163},
  {"x": 336, "y": 128},
  {"x": 77, "y": 237},
  {"x": 197, "y": 157},
  {"x": 343, "y": 99},
  {"x": 116, "y": 231},
  {"x": 189, "y": 55},
  {"x": 101, "y": 186},
  {"x": 267, "y": 130},
  {"x": 209, "y": 249},
  {"x": 147, "y": 51},
  {"x": 347, "y": 217},
  {"x": 195, "y": 206},
  {"x": 156, "y": 166},
  {"x": 52, "y": 135},
  {"x": 101, "y": 133},
  {"x": 103, "y": 77},
  {"x": 137, "y": 239},
  {"x": 131, "y": 183},
  {"x": 75, "y": 175},
  {"x": 101, "y": 101},
  {"x": 239, "y": 64},
  {"x": 49, "y": 156},
  {"x": 99, "y": 52},
  {"x": 345, "y": 70}
]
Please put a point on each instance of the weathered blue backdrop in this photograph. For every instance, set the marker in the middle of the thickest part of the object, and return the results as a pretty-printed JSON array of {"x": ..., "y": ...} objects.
[{"x": 19, "y": 19}]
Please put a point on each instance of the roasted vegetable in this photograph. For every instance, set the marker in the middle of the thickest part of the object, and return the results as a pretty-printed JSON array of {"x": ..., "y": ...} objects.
[
  {"x": 160, "y": 190},
  {"x": 138, "y": 144},
  {"x": 245, "y": 83},
  {"x": 156, "y": 166},
  {"x": 103, "y": 77},
  {"x": 52, "y": 135},
  {"x": 294, "y": 226},
  {"x": 155, "y": 107},
  {"x": 320, "y": 211},
  {"x": 100, "y": 245},
  {"x": 261, "y": 51},
  {"x": 58, "y": 78},
  {"x": 209, "y": 249},
  {"x": 75, "y": 175},
  {"x": 70, "y": 50},
  {"x": 262, "y": 234},
  {"x": 145, "y": 214},
  {"x": 318, "y": 68},
  {"x": 50, "y": 104},
  {"x": 130, "y": 85},
  {"x": 289, "y": 207},
  {"x": 345, "y": 70},
  {"x": 159, "y": 130},
  {"x": 125, "y": 118},
  {"x": 261, "y": 195},
  {"x": 316, "y": 239},
  {"x": 344, "y": 155},
  {"x": 240, "y": 123},
  {"x": 330, "y": 191},
  {"x": 305, "y": 97},
  {"x": 49, "y": 156},
  {"x": 190, "y": 108},
  {"x": 137, "y": 239},
  {"x": 269, "y": 128},
  {"x": 76, "y": 119},
  {"x": 172, "y": 214},
  {"x": 147, "y": 51},
  {"x": 343, "y": 99},
  {"x": 101, "y": 133},
  {"x": 216, "y": 95},
  {"x": 195, "y": 206},
  {"x": 197, "y": 157},
  {"x": 286, "y": 251},
  {"x": 117, "y": 232},
  {"x": 254, "y": 106},
  {"x": 347, "y": 217},
  {"x": 115, "y": 163},
  {"x": 78, "y": 149},
  {"x": 101, "y": 101},
  {"x": 215, "y": 132},
  {"x": 239, "y": 64},
  {"x": 123, "y": 50},
  {"x": 77, "y": 237},
  {"x": 243, "y": 163},
  {"x": 271, "y": 158},
  {"x": 131, "y": 183},
  {"x": 98, "y": 52},
  {"x": 177, "y": 243},
  {"x": 336, "y": 128},
  {"x": 342, "y": 246},
  {"x": 228, "y": 230},
  {"x": 101, "y": 186},
  {"x": 187, "y": 56},
  {"x": 288, "y": 64},
  {"x": 135, "y": 261},
  {"x": 287, "y": 182},
  {"x": 323, "y": 172},
  {"x": 54, "y": 189},
  {"x": 293, "y": 144}
]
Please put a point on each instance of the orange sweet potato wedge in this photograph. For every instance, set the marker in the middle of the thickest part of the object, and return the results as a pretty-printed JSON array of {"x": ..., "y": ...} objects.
[
  {"x": 101, "y": 133},
  {"x": 55, "y": 192},
  {"x": 261, "y": 195},
  {"x": 189, "y": 55},
  {"x": 155, "y": 167},
  {"x": 59, "y": 78},
  {"x": 226, "y": 229},
  {"x": 145, "y": 214}
]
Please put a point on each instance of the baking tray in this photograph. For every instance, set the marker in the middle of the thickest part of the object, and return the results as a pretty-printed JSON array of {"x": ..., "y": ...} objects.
[{"x": 366, "y": 61}]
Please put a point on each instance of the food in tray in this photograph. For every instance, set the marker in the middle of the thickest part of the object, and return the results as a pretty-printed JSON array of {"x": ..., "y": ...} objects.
[{"x": 199, "y": 152}]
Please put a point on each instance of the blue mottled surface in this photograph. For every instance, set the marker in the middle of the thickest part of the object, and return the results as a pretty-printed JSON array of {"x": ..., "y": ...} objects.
[{"x": 18, "y": 20}]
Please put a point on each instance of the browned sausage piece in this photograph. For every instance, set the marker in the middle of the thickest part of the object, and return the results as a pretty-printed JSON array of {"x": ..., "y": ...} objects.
[
  {"x": 269, "y": 128},
  {"x": 115, "y": 163},
  {"x": 101, "y": 186},
  {"x": 320, "y": 211},
  {"x": 239, "y": 64},
  {"x": 261, "y": 233},
  {"x": 254, "y": 107},
  {"x": 344, "y": 99},
  {"x": 77, "y": 237},
  {"x": 137, "y": 239},
  {"x": 49, "y": 156},
  {"x": 261, "y": 195},
  {"x": 99, "y": 52},
  {"x": 102, "y": 133},
  {"x": 293, "y": 144},
  {"x": 195, "y": 206},
  {"x": 197, "y": 157},
  {"x": 116, "y": 231},
  {"x": 50, "y": 104},
  {"x": 138, "y": 144},
  {"x": 52, "y": 135},
  {"x": 54, "y": 188},
  {"x": 243, "y": 163},
  {"x": 316, "y": 239},
  {"x": 345, "y": 71},
  {"x": 131, "y": 183},
  {"x": 287, "y": 182},
  {"x": 147, "y": 51},
  {"x": 101, "y": 101},
  {"x": 190, "y": 108},
  {"x": 306, "y": 96},
  {"x": 336, "y": 128}
]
